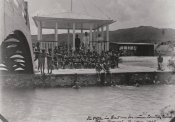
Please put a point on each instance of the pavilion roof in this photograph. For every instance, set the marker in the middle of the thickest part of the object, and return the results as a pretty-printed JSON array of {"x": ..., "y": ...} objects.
[{"x": 66, "y": 20}]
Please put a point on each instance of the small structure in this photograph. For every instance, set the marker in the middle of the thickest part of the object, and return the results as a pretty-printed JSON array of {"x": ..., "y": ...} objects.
[
  {"x": 133, "y": 49},
  {"x": 72, "y": 21}
]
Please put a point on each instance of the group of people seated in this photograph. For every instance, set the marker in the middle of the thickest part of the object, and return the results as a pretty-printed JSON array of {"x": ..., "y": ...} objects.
[
  {"x": 85, "y": 55},
  {"x": 82, "y": 59}
]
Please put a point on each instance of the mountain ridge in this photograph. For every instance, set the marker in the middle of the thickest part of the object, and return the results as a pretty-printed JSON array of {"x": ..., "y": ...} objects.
[{"x": 141, "y": 34}]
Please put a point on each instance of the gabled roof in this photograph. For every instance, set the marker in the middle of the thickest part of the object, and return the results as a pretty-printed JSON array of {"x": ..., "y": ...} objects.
[
  {"x": 72, "y": 15},
  {"x": 65, "y": 21}
]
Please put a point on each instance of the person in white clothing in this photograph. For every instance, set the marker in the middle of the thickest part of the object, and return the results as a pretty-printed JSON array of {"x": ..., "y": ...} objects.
[
  {"x": 86, "y": 42},
  {"x": 99, "y": 44}
]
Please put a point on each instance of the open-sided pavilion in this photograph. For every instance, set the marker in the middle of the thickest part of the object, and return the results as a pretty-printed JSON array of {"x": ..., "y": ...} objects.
[{"x": 72, "y": 21}]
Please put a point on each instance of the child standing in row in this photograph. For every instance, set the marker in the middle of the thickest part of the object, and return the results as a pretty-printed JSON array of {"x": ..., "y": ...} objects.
[
  {"x": 42, "y": 57},
  {"x": 49, "y": 62}
]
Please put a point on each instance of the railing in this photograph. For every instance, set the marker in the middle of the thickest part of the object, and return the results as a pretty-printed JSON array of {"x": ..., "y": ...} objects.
[{"x": 99, "y": 45}]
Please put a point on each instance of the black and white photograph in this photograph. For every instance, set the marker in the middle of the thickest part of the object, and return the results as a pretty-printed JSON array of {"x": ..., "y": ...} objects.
[{"x": 87, "y": 60}]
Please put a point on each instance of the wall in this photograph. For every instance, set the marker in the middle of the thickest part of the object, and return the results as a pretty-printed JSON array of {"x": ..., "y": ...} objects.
[{"x": 51, "y": 81}]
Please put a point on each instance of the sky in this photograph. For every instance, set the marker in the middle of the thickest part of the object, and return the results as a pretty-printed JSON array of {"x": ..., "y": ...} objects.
[{"x": 127, "y": 13}]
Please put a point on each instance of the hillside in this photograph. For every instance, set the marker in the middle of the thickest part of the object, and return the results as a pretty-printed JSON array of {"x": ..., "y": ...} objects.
[{"x": 146, "y": 34}]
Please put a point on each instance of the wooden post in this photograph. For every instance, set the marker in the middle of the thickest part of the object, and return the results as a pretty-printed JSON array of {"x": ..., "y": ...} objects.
[
  {"x": 56, "y": 33},
  {"x": 81, "y": 35},
  {"x": 102, "y": 35},
  {"x": 98, "y": 43},
  {"x": 102, "y": 31},
  {"x": 107, "y": 37},
  {"x": 90, "y": 41},
  {"x": 52, "y": 46},
  {"x": 94, "y": 39},
  {"x": 68, "y": 40},
  {"x": 73, "y": 37}
]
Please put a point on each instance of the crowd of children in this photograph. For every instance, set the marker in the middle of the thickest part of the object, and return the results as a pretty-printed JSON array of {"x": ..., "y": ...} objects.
[{"x": 57, "y": 59}]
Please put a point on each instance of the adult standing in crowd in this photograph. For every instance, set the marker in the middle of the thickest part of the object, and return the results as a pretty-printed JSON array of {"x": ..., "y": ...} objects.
[
  {"x": 42, "y": 57},
  {"x": 49, "y": 61},
  {"x": 37, "y": 50},
  {"x": 160, "y": 61},
  {"x": 77, "y": 44},
  {"x": 112, "y": 60},
  {"x": 37, "y": 53},
  {"x": 117, "y": 59},
  {"x": 55, "y": 57},
  {"x": 99, "y": 43},
  {"x": 86, "y": 42}
]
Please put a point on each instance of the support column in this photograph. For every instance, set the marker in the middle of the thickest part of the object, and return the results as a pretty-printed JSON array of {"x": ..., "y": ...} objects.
[
  {"x": 107, "y": 37},
  {"x": 53, "y": 46},
  {"x": 93, "y": 36},
  {"x": 73, "y": 37},
  {"x": 96, "y": 37},
  {"x": 102, "y": 35},
  {"x": 56, "y": 33},
  {"x": 68, "y": 40},
  {"x": 98, "y": 43},
  {"x": 91, "y": 48},
  {"x": 81, "y": 38},
  {"x": 102, "y": 31},
  {"x": 94, "y": 33},
  {"x": 81, "y": 35}
]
